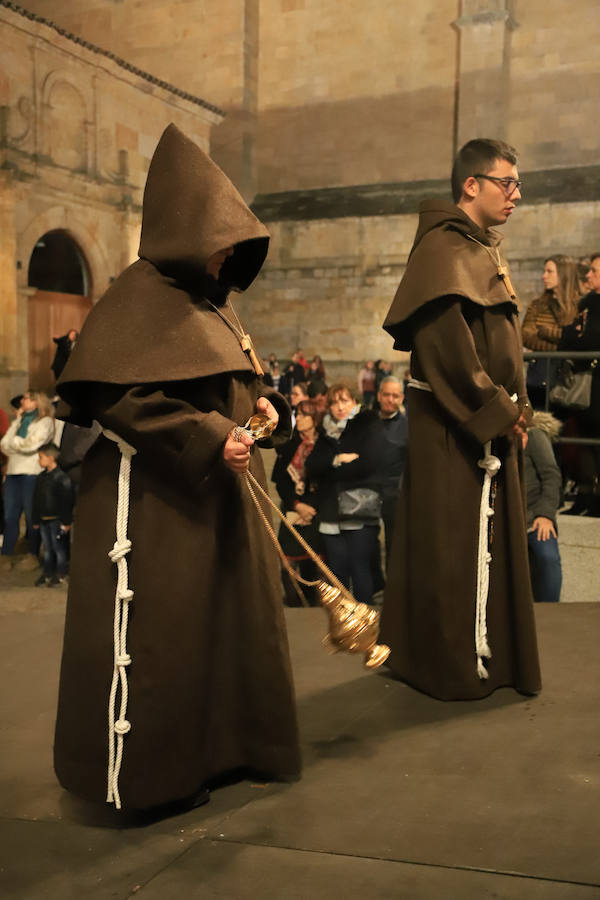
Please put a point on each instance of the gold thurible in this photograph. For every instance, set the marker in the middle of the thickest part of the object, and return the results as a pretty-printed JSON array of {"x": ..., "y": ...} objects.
[{"x": 353, "y": 626}]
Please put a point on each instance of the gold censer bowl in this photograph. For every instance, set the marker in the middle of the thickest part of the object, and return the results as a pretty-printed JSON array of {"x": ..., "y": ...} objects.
[{"x": 353, "y": 627}]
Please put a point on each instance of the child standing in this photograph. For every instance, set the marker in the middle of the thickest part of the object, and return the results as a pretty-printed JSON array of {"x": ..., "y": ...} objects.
[{"x": 53, "y": 515}]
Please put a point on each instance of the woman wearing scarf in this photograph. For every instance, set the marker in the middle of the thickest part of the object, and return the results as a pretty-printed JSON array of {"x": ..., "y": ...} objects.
[
  {"x": 299, "y": 500},
  {"x": 343, "y": 468},
  {"x": 32, "y": 428}
]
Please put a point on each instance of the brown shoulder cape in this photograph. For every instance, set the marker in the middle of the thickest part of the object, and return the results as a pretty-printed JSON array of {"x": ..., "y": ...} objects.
[
  {"x": 153, "y": 324},
  {"x": 445, "y": 261}
]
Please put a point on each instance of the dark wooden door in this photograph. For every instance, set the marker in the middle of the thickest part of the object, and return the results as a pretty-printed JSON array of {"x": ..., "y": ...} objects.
[{"x": 51, "y": 315}]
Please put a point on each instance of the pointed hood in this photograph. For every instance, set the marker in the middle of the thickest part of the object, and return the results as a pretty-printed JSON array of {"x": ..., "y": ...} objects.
[
  {"x": 154, "y": 324},
  {"x": 192, "y": 210},
  {"x": 446, "y": 259}
]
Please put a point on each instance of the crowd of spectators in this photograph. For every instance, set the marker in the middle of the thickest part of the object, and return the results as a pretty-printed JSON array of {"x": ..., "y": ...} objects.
[
  {"x": 566, "y": 318},
  {"x": 339, "y": 476}
]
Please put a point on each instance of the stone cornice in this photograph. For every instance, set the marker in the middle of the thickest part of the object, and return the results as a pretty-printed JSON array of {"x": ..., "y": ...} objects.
[
  {"x": 575, "y": 184},
  {"x": 139, "y": 73}
]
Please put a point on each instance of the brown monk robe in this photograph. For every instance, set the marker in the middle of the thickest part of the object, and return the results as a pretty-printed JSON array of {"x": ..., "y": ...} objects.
[
  {"x": 454, "y": 312},
  {"x": 205, "y": 653}
]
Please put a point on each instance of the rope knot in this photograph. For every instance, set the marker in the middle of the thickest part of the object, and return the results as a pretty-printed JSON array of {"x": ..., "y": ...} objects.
[
  {"x": 123, "y": 659},
  {"x": 491, "y": 464},
  {"x": 119, "y": 550},
  {"x": 126, "y": 594},
  {"x": 124, "y": 448},
  {"x": 122, "y": 726}
]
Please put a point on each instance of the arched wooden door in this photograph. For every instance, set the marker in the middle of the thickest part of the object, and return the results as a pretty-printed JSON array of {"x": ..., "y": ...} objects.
[{"x": 61, "y": 302}]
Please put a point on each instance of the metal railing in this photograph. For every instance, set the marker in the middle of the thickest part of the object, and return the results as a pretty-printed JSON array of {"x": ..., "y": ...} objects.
[{"x": 531, "y": 356}]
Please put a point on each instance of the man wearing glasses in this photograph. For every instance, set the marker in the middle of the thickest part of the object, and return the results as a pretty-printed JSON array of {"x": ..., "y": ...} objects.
[{"x": 458, "y": 612}]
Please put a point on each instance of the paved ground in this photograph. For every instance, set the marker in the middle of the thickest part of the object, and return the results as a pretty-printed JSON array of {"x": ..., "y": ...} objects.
[{"x": 402, "y": 796}]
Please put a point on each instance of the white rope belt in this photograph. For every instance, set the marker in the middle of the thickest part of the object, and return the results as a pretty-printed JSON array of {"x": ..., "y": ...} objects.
[
  {"x": 491, "y": 466},
  {"x": 118, "y": 728}
]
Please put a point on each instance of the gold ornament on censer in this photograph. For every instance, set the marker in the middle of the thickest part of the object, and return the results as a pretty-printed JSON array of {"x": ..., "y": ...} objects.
[{"x": 353, "y": 626}]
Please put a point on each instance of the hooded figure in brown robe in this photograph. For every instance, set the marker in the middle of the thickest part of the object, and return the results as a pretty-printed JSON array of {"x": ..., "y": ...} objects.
[
  {"x": 175, "y": 665},
  {"x": 450, "y": 635}
]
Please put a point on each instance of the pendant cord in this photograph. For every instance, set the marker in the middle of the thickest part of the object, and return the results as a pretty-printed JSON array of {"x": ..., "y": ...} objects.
[
  {"x": 502, "y": 270},
  {"x": 250, "y": 482}
]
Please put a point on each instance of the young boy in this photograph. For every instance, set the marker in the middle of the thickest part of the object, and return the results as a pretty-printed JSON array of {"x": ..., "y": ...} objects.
[{"x": 53, "y": 515}]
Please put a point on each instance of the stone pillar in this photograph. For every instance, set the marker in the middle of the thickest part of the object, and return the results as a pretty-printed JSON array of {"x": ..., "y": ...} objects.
[
  {"x": 482, "y": 91},
  {"x": 13, "y": 348},
  {"x": 233, "y": 141}
]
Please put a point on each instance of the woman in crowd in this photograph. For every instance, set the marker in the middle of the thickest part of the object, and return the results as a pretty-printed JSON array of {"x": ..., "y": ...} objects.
[
  {"x": 545, "y": 319},
  {"x": 584, "y": 334},
  {"x": 32, "y": 428},
  {"x": 299, "y": 500},
  {"x": 298, "y": 393},
  {"x": 344, "y": 460},
  {"x": 367, "y": 385},
  {"x": 316, "y": 370},
  {"x": 64, "y": 346}
]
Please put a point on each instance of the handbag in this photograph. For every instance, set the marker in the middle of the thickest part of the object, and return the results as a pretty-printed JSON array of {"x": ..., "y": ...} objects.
[
  {"x": 573, "y": 389},
  {"x": 537, "y": 374},
  {"x": 361, "y": 503}
]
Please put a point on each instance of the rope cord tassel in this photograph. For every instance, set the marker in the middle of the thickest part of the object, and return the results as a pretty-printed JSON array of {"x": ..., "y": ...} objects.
[
  {"x": 251, "y": 481},
  {"x": 491, "y": 465},
  {"x": 119, "y": 690}
]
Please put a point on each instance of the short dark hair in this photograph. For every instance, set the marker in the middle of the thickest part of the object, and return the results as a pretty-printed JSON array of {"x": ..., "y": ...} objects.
[
  {"x": 478, "y": 155},
  {"x": 309, "y": 408},
  {"x": 50, "y": 449},
  {"x": 316, "y": 388},
  {"x": 594, "y": 256}
]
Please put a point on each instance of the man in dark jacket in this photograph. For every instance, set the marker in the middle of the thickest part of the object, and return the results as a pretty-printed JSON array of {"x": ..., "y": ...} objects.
[
  {"x": 393, "y": 451},
  {"x": 53, "y": 515}
]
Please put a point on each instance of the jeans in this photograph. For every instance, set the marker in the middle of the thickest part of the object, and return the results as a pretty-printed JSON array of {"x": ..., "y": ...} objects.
[
  {"x": 546, "y": 569},
  {"x": 54, "y": 542},
  {"x": 18, "y": 498},
  {"x": 350, "y": 556}
]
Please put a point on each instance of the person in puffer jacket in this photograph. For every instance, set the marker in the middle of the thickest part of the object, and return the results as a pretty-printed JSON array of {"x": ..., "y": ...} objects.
[
  {"x": 543, "y": 487},
  {"x": 33, "y": 427}
]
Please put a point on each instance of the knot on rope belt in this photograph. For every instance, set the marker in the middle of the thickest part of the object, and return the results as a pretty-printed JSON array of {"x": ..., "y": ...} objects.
[{"x": 119, "y": 727}]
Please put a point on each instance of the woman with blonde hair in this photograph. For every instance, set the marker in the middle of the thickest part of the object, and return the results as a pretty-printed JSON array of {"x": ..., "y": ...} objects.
[
  {"x": 545, "y": 319},
  {"x": 32, "y": 428}
]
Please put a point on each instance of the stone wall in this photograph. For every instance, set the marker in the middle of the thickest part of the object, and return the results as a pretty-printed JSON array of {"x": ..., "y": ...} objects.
[
  {"x": 328, "y": 283},
  {"x": 77, "y": 130},
  {"x": 208, "y": 49},
  {"x": 341, "y": 117}
]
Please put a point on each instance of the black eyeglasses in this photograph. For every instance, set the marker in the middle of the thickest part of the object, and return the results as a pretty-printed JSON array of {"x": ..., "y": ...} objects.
[{"x": 509, "y": 184}]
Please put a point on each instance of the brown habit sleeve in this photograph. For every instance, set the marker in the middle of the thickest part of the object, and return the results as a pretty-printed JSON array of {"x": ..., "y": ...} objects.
[{"x": 446, "y": 354}]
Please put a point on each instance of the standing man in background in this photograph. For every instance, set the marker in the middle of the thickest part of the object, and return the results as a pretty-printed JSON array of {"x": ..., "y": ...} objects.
[{"x": 390, "y": 398}]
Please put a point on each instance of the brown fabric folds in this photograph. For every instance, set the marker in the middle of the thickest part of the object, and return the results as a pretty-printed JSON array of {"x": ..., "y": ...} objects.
[{"x": 444, "y": 261}]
